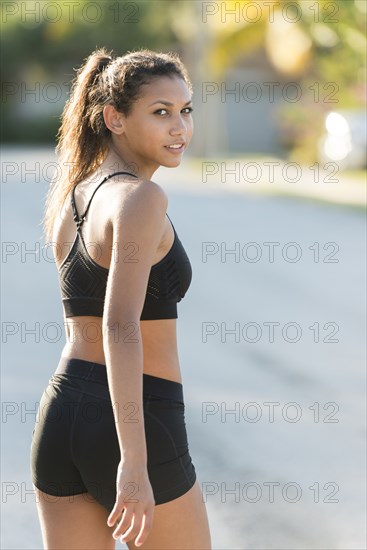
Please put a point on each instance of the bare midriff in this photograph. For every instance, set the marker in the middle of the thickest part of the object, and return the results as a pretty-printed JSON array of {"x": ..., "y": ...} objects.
[{"x": 159, "y": 340}]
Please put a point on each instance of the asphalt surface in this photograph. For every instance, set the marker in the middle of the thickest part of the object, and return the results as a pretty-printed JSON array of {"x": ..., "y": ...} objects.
[{"x": 272, "y": 354}]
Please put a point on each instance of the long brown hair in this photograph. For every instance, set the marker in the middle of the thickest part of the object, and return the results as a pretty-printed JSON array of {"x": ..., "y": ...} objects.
[{"x": 83, "y": 138}]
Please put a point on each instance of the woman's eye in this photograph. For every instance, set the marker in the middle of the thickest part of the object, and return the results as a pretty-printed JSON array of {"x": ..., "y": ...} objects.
[{"x": 189, "y": 109}]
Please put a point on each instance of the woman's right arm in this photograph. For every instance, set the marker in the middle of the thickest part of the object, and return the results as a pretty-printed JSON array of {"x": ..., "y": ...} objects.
[{"x": 138, "y": 222}]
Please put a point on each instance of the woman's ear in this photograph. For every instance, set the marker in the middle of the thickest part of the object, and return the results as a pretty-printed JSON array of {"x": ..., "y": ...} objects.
[{"x": 113, "y": 119}]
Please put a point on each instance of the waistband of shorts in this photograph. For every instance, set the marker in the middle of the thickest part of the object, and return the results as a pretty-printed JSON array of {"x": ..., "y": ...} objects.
[{"x": 97, "y": 372}]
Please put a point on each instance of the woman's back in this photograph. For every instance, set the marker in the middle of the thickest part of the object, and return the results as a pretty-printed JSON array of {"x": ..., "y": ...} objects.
[{"x": 84, "y": 256}]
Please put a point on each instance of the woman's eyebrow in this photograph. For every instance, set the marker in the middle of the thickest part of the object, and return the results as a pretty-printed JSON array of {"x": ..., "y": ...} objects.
[{"x": 167, "y": 103}]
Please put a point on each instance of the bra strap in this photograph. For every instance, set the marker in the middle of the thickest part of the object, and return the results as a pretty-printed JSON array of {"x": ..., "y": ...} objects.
[
  {"x": 79, "y": 220},
  {"x": 173, "y": 227}
]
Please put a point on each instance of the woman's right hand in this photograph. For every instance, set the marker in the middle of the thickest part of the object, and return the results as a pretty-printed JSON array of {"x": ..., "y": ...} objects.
[{"x": 135, "y": 502}]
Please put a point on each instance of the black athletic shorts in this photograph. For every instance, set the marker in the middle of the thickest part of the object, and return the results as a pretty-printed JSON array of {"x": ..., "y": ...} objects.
[{"x": 75, "y": 447}]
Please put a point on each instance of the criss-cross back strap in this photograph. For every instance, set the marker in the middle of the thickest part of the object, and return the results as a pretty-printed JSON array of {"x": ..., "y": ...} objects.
[{"x": 79, "y": 220}]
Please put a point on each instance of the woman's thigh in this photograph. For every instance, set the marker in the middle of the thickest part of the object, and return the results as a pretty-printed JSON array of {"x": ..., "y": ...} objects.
[
  {"x": 79, "y": 522},
  {"x": 181, "y": 524},
  {"x": 74, "y": 522}
]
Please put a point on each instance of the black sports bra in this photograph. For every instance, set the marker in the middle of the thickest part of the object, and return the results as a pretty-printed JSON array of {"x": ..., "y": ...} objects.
[{"x": 83, "y": 281}]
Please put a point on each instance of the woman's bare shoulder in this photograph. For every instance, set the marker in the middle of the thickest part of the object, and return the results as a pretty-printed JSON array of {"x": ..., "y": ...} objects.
[{"x": 134, "y": 193}]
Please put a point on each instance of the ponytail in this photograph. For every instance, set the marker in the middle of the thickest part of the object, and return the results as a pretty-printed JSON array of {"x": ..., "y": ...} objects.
[
  {"x": 81, "y": 148},
  {"x": 80, "y": 140}
]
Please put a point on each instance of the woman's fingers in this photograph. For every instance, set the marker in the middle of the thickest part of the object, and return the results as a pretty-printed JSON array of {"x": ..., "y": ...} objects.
[
  {"x": 134, "y": 518},
  {"x": 127, "y": 519},
  {"x": 136, "y": 526},
  {"x": 115, "y": 514},
  {"x": 133, "y": 529},
  {"x": 147, "y": 525}
]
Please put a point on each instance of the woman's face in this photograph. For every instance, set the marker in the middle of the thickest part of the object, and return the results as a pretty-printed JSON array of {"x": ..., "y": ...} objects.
[{"x": 159, "y": 118}]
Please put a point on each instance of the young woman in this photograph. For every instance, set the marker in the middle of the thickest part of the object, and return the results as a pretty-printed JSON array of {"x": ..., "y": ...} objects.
[{"x": 109, "y": 454}]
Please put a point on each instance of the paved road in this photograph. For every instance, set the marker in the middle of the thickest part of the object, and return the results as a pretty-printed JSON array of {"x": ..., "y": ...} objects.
[{"x": 272, "y": 355}]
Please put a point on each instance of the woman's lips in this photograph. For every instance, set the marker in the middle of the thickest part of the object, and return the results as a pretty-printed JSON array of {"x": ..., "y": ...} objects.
[{"x": 175, "y": 149}]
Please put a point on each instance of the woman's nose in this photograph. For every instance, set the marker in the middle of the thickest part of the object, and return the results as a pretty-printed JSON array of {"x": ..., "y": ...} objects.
[{"x": 178, "y": 126}]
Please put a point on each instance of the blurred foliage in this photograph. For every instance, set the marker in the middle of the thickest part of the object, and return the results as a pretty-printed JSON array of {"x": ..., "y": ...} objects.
[
  {"x": 321, "y": 46},
  {"x": 322, "y": 49},
  {"x": 42, "y": 48}
]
